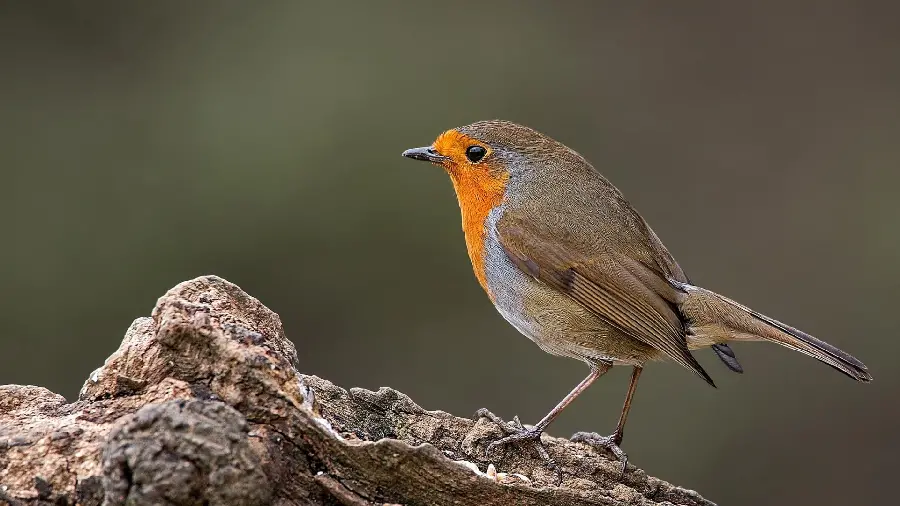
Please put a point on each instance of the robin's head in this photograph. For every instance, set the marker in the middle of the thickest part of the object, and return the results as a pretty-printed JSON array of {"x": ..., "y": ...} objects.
[
  {"x": 483, "y": 159},
  {"x": 480, "y": 158},
  {"x": 486, "y": 150}
]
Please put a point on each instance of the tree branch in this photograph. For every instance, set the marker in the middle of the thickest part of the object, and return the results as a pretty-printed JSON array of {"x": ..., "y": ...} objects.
[{"x": 202, "y": 404}]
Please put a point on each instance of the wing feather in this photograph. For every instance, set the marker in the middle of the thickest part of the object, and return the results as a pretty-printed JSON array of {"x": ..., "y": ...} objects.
[{"x": 604, "y": 284}]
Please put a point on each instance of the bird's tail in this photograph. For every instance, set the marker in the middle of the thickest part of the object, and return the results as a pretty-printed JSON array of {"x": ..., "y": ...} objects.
[{"x": 715, "y": 319}]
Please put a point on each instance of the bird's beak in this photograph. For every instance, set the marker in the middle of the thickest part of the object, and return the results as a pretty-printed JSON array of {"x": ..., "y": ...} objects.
[{"x": 426, "y": 154}]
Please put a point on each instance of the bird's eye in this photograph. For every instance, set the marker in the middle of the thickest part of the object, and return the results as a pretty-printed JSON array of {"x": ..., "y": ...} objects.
[{"x": 475, "y": 153}]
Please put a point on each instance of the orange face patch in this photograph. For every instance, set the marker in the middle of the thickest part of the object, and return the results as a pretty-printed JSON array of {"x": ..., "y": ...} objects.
[{"x": 479, "y": 188}]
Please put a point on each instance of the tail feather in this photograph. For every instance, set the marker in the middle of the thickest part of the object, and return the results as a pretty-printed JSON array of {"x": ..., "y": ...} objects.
[
  {"x": 821, "y": 350},
  {"x": 726, "y": 355},
  {"x": 716, "y": 319}
]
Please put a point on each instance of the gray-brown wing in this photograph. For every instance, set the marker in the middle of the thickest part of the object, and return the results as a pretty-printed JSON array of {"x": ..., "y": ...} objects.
[{"x": 620, "y": 292}]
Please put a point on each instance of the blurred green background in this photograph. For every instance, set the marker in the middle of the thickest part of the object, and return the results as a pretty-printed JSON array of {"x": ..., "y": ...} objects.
[{"x": 146, "y": 143}]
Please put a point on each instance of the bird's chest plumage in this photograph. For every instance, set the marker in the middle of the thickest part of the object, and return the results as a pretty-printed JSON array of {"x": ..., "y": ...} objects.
[{"x": 509, "y": 288}]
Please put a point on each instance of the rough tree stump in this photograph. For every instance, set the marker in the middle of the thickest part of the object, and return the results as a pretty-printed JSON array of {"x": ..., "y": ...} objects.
[{"x": 203, "y": 404}]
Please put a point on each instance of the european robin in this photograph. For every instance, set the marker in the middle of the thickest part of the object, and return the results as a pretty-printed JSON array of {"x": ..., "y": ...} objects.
[{"x": 571, "y": 265}]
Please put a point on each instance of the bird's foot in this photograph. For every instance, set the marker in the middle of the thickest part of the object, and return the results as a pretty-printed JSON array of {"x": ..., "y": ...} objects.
[
  {"x": 517, "y": 433},
  {"x": 610, "y": 443}
]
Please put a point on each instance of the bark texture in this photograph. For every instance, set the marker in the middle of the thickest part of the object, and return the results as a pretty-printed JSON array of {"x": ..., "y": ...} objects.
[{"x": 203, "y": 404}]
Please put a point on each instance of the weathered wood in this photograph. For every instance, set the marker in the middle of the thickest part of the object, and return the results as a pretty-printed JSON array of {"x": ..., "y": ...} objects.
[{"x": 202, "y": 404}]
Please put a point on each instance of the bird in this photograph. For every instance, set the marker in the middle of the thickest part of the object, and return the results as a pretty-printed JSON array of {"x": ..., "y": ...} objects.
[{"x": 569, "y": 263}]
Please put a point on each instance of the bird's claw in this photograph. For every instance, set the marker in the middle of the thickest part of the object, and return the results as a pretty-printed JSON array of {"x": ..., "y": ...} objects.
[
  {"x": 514, "y": 430},
  {"x": 516, "y": 433},
  {"x": 485, "y": 413},
  {"x": 521, "y": 435},
  {"x": 610, "y": 443}
]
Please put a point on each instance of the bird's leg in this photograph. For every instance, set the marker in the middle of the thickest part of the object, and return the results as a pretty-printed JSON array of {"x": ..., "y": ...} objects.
[
  {"x": 613, "y": 441},
  {"x": 516, "y": 432}
]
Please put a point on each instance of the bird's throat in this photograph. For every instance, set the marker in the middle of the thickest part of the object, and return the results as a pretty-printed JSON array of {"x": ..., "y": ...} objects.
[{"x": 478, "y": 193}]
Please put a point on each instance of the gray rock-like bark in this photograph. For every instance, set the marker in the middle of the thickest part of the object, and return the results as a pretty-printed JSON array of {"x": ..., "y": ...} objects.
[{"x": 202, "y": 404}]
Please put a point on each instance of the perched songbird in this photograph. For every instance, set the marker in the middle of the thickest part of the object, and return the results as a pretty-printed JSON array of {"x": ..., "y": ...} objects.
[{"x": 570, "y": 264}]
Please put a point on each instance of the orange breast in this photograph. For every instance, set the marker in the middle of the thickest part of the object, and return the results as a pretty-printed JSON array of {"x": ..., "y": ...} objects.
[{"x": 478, "y": 191}]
